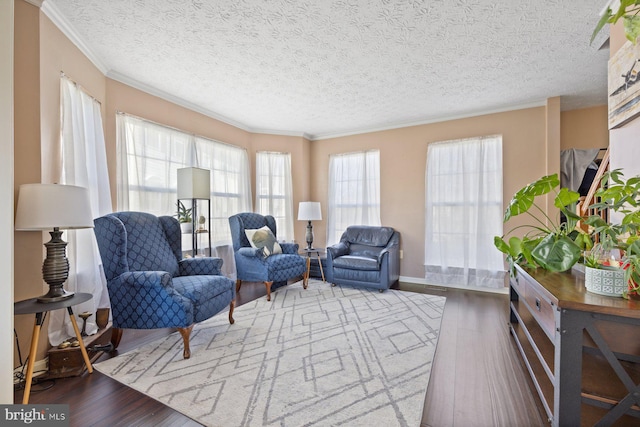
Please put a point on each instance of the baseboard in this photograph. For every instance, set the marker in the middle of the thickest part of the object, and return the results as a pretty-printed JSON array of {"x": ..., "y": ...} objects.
[
  {"x": 39, "y": 368},
  {"x": 422, "y": 281}
]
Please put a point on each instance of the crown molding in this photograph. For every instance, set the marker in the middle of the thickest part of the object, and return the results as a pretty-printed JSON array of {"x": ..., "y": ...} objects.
[
  {"x": 282, "y": 133},
  {"x": 114, "y": 75},
  {"x": 476, "y": 113},
  {"x": 36, "y": 3},
  {"x": 52, "y": 12}
]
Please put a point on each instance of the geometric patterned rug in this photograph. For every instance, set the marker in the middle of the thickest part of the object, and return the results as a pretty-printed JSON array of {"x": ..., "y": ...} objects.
[{"x": 324, "y": 356}]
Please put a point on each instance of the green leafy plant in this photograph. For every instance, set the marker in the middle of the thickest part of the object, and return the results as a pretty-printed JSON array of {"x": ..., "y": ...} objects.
[
  {"x": 183, "y": 214},
  {"x": 592, "y": 260},
  {"x": 628, "y": 11},
  {"x": 631, "y": 267},
  {"x": 550, "y": 244},
  {"x": 621, "y": 196}
]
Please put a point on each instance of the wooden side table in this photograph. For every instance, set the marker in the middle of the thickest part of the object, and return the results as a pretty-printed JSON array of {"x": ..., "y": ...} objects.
[
  {"x": 32, "y": 306},
  {"x": 318, "y": 253}
]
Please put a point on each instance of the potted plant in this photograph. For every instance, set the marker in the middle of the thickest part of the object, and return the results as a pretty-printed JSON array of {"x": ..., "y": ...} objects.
[
  {"x": 620, "y": 196},
  {"x": 184, "y": 218},
  {"x": 603, "y": 272},
  {"x": 549, "y": 243},
  {"x": 628, "y": 11}
]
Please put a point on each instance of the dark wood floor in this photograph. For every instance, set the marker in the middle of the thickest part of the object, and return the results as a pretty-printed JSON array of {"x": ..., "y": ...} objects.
[{"x": 477, "y": 378}]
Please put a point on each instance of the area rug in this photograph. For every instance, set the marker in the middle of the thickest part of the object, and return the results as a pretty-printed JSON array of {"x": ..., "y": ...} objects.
[{"x": 324, "y": 356}]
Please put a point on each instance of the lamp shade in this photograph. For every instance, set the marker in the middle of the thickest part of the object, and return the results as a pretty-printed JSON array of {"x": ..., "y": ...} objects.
[
  {"x": 45, "y": 206},
  {"x": 309, "y": 211},
  {"x": 194, "y": 183}
]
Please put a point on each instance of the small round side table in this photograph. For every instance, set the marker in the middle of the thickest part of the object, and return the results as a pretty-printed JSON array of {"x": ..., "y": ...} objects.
[
  {"x": 318, "y": 253},
  {"x": 31, "y": 306}
]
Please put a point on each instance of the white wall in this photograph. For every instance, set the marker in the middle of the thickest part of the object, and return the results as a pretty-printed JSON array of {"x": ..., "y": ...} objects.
[
  {"x": 6, "y": 207},
  {"x": 624, "y": 150}
]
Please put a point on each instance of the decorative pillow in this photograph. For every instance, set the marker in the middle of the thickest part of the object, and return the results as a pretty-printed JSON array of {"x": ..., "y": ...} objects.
[{"x": 263, "y": 238}]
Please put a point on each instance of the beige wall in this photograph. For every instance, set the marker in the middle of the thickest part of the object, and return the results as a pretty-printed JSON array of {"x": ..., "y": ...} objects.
[
  {"x": 585, "y": 128},
  {"x": 42, "y": 52},
  {"x": 28, "y": 247},
  {"x": 58, "y": 55},
  {"x": 403, "y": 154},
  {"x": 530, "y": 146}
]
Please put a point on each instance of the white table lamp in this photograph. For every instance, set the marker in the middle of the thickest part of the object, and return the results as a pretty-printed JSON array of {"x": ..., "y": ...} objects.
[
  {"x": 57, "y": 207},
  {"x": 309, "y": 211}
]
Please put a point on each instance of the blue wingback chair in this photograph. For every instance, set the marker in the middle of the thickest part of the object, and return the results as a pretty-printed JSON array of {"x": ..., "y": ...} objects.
[
  {"x": 149, "y": 284},
  {"x": 251, "y": 263},
  {"x": 365, "y": 256}
]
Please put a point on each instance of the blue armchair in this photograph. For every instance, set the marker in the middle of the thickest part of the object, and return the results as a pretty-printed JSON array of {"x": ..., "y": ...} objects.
[
  {"x": 255, "y": 264},
  {"x": 365, "y": 256},
  {"x": 149, "y": 284}
]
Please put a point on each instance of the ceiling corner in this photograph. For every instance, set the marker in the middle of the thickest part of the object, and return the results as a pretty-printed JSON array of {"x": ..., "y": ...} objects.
[
  {"x": 51, "y": 11},
  {"x": 36, "y": 3}
]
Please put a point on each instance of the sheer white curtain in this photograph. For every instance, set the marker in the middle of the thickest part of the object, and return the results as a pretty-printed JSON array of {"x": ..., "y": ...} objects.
[
  {"x": 464, "y": 212},
  {"x": 274, "y": 190},
  {"x": 149, "y": 155},
  {"x": 230, "y": 184},
  {"x": 354, "y": 192},
  {"x": 230, "y": 193},
  {"x": 84, "y": 163}
]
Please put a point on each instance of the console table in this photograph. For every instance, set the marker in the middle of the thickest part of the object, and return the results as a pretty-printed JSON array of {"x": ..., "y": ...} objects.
[
  {"x": 582, "y": 350},
  {"x": 32, "y": 306}
]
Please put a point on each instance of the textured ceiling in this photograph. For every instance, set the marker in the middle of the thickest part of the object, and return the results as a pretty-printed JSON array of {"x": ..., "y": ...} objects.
[{"x": 328, "y": 67}]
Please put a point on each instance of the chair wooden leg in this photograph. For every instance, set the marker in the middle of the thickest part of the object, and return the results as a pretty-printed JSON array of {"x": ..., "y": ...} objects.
[
  {"x": 116, "y": 336},
  {"x": 231, "y": 307},
  {"x": 268, "y": 285},
  {"x": 238, "y": 284},
  {"x": 186, "y": 333}
]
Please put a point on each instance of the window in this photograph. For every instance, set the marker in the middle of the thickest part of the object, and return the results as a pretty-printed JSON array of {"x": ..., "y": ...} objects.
[
  {"x": 230, "y": 186},
  {"x": 149, "y": 156},
  {"x": 273, "y": 190},
  {"x": 464, "y": 212},
  {"x": 354, "y": 192}
]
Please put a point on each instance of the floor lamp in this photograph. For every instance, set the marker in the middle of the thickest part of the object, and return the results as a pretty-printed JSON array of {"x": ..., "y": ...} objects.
[{"x": 195, "y": 184}]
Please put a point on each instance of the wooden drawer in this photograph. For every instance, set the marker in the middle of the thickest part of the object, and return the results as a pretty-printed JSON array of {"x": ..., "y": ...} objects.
[{"x": 542, "y": 309}]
